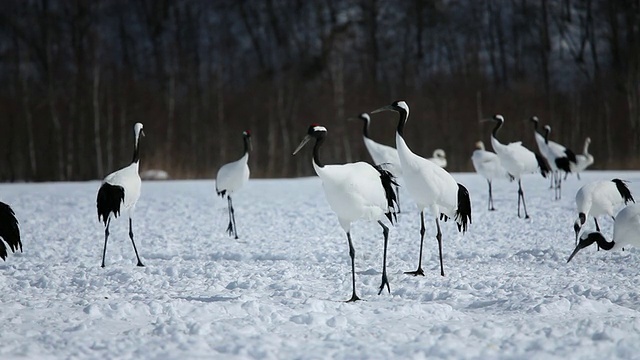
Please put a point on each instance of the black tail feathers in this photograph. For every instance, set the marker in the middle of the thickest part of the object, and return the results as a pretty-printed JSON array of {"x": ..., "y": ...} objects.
[
  {"x": 110, "y": 197},
  {"x": 624, "y": 191},
  {"x": 463, "y": 213},
  {"x": 564, "y": 164},
  {"x": 9, "y": 231},
  {"x": 544, "y": 166},
  {"x": 388, "y": 180}
]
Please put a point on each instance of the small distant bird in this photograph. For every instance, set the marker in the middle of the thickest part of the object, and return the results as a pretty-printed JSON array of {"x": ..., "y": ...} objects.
[
  {"x": 600, "y": 198},
  {"x": 439, "y": 158},
  {"x": 488, "y": 165},
  {"x": 9, "y": 231},
  {"x": 384, "y": 156},
  {"x": 231, "y": 177},
  {"x": 626, "y": 228},
  {"x": 120, "y": 190},
  {"x": 355, "y": 191},
  {"x": 517, "y": 159},
  {"x": 430, "y": 186},
  {"x": 584, "y": 160}
]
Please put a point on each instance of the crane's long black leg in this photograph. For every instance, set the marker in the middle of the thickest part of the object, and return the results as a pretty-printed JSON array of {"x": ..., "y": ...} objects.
[
  {"x": 352, "y": 254},
  {"x": 439, "y": 238},
  {"x": 398, "y": 198},
  {"x": 578, "y": 176},
  {"x": 519, "y": 194},
  {"x": 598, "y": 230},
  {"x": 106, "y": 236},
  {"x": 559, "y": 186},
  {"x": 419, "y": 271},
  {"x": 524, "y": 205},
  {"x": 229, "y": 207},
  {"x": 385, "y": 281},
  {"x": 491, "y": 208},
  {"x": 133, "y": 242},
  {"x": 233, "y": 217}
]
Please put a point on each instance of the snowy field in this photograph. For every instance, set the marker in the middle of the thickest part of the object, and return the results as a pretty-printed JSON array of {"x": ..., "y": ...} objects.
[{"x": 278, "y": 292}]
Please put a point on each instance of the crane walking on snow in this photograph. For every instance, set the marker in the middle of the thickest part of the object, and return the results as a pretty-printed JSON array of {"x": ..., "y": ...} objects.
[
  {"x": 517, "y": 159},
  {"x": 355, "y": 191},
  {"x": 231, "y": 177},
  {"x": 488, "y": 165},
  {"x": 430, "y": 186},
  {"x": 560, "y": 158},
  {"x": 120, "y": 190}
]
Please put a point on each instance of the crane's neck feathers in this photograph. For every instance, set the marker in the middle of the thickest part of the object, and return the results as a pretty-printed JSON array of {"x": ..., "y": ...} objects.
[
  {"x": 365, "y": 128},
  {"x": 137, "y": 131}
]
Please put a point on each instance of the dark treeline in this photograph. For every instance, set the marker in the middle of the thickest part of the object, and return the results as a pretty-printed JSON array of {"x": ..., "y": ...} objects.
[{"x": 77, "y": 74}]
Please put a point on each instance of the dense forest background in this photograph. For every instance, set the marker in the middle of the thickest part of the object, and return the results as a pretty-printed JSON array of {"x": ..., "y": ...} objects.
[{"x": 77, "y": 74}]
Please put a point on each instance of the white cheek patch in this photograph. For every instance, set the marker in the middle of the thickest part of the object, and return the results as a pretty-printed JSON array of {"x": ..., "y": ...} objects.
[{"x": 319, "y": 128}]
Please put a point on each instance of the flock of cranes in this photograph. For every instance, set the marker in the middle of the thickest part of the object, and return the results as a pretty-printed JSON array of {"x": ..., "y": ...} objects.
[{"x": 360, "y": 190}]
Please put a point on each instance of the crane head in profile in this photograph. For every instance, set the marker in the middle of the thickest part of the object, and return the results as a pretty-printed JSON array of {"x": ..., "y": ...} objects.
[
  {"x": 315, "y": 131},
  {"x": 246, "y": 135},
  {"x": 397, "y": 106}
]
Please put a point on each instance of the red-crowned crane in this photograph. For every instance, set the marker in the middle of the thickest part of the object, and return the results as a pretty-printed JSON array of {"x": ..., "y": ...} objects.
[
  {"x": 626, "y": 228},
  {"x": 120, "y": 191},
  {"x": 560, "y": 158},
  {"x": 487, "y": 164},
  {"x": 430, "y": 186},
  {"x": 9, "y": 231},
  {"x": 598, "y": 198},
  {"x": 231, "y": 177},
  {"x": 354, "y": 191},
  {"x": 583, "y": 160},
  {"x": 517, "y": 159}
]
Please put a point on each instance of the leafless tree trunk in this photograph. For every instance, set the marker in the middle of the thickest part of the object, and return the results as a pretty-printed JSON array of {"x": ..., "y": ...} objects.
[{"x": 97, "y": 139}]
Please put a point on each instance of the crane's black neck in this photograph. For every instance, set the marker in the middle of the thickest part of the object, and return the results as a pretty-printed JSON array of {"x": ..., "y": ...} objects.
[
  {"x": 535, "y": 125},
  {"x": 599, "y": 239},
  {"x": 136, "y": 150},
  {"x": 402, "y": 120},
  {"x": 316, "y": 151},
  {"x": 365, "y": 128},
  {"x": 546, "y": 137},
  {"x": 247, "y": 146},
  {"x": 496, "y": 128}
]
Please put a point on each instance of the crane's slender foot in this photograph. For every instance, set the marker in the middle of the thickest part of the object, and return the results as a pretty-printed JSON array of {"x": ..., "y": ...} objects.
[
  {"x": 527, "y": 217},
  {"x": 354, "y": 298},
  {"x": 415, "y": 273},
  {"x": 140, "y": 264},
  {"x": 385, "y": 281},
  {"x": 230, "y": 229}
]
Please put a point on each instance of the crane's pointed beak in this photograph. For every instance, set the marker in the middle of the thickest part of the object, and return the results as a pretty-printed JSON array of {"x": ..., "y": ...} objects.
[
  {"x": 250, "y": 144},
  {"x": 575, "y": 251},
  {"x": 142, "y": 133},
  {"x": 302, "y": 144},
  {"x": 485, "y": 120},
  {"x": 384, "y": 108}
]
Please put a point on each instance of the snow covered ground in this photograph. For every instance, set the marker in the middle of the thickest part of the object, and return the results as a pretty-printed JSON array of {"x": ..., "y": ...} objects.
[{"x": 278, "y": 292}]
